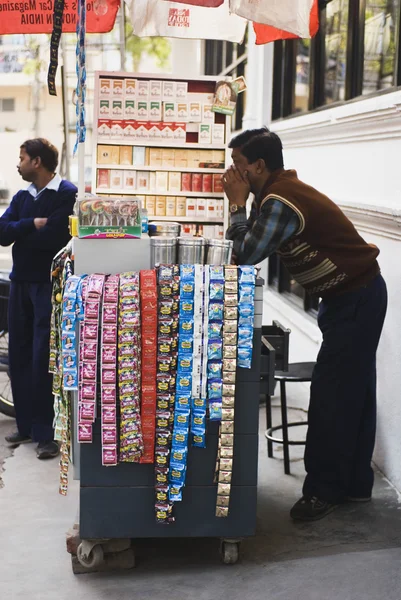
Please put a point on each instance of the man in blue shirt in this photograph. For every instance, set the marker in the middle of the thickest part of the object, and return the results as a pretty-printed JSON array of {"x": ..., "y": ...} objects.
[{"x": 36, "y": 223}]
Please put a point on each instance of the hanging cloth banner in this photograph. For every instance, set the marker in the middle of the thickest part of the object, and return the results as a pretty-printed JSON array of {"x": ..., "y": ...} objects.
[
  {"x": 204, "y": 3},
  {"x": 54, "y": 45},
  {"x": 35, "y": 16},
  {"x": 292, "y": 16},
  {"x": 81, "y": 74},
  {"x": 152, "y": 18},
  {"x": 265, "y": 33}
]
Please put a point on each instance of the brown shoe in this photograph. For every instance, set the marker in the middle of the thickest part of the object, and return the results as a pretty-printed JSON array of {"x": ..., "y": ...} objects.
[{"x": 47, "y": 450}]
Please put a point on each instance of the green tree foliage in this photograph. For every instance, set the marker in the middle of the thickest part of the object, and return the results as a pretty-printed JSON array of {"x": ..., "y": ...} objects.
[{"x": 157, "y": 47}]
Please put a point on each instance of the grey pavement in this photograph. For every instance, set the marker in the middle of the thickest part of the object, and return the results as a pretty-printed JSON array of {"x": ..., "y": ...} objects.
[{"x": 353, "y": 554}]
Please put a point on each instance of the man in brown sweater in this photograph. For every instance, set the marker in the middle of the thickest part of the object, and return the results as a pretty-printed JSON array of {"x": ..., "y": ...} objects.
[{"x": 325, "y": 254}]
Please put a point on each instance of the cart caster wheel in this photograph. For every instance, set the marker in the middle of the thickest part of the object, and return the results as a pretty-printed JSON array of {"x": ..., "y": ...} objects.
[
  {"x": 230, "y": 552},
  {"x": 93, "y": 558}
]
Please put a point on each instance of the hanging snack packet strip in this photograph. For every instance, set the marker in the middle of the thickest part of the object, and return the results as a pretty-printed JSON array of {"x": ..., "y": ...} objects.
[
  {"x": 215, "y": 342},
  {"x": 198, "y": 404},
  {"x": 89, "y": 338},
  {"x": 148, "y": 296},
  {"x": 129, "y": 366},
  {"x": 226, "y": 434},
  {"x": 246, "y": 310},
  {"x": 166, "y": 372},
  {"x": 108, "y": 362}
]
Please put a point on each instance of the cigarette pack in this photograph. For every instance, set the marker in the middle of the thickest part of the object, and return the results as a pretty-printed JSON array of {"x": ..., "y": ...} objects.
[
  {"x": 181, "y": 158},
  {"x": 105, "y": 87},
  {"x": 181, "y": 90},
  {"x": 191, "y": 207},
  {"x": 103, "y": 129},
  {"x": 117, "y": 110},
  {"x": 142, "y": 131},
  {"x": 170, "y": 206},
  {"x": 205, "y": 133},
  {"x": 125, "y": 155},
  {"x": 151, "y": 205},
  {"x": 116, "y": 130},
  {"x": 218, "y": 156},
  {"x": 103, "y": 178},
  {"x": 104, "y": 107},
  {"x": 220, "y": 209},
  {"x": 207, "y": 113},
  {"x": 142, "y": 110},
  {"x": 118, "y": 88},
  {"x": 129, "y": 180},
  {"x": 186, "y": 182},
  {"x": 168, "y": 90},
  {"x": 174, "y": 181},
  {"x": 196, "y": 182},
  {"x": 180, "y": 206},
  {"x": 167, "y": 157},
  {"x": 194, "y": 159},
  {"x": 179, "y": 130},
  {"x": 142, "y": 181},
  {"x": 160, "y": 206},
  {"x": 155, "y": 157},
  {"x": 167, "y": 132},
  {"x": 218, "y": 133},
  {"x": 156, "y": 90},
  {"x": 154, "y": 131},
  {"x": 211, "y": 209},
  {"x": 129, "y": 131},
  {"x": 142, "y": 89},
  {"x": 161, "y": 181},
  {"x": 182, "y": 111},
  {"x": 217, "y": 183},
  {"x": 108, "y": 155},
  {"x": 169, "y": 112},
  {"x": 155, "y": 112},
  {"x": 139, "y": 156},
  {"x": 152, "y": 180},
  {"x": 130, "y": 88},
  {"x": 207, "y": 182},
  {"x": 116, "y": 179},
  {"x": 195, "y": 112},
  {"x": 129, "y": 108},
  {"x": 201, "y": 207}
]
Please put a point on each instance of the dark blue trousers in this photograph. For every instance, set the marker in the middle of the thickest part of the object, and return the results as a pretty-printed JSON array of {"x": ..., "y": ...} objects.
[
  {"x": 31, "y": 383},
  {"x": 342, "y": 410}
]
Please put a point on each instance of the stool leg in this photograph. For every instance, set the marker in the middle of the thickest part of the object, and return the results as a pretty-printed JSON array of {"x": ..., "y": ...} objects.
[
  {"x": 284, "y": 422},
  {"x": 269, "y": 424}
]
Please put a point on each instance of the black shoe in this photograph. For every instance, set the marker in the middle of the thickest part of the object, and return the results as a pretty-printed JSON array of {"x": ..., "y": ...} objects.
[
  {"x": 311, "y": 509},
  {"x": 15, "y": 439},
  {"x": 358, "y": 498},
  {"x": 47, "y": 450}
]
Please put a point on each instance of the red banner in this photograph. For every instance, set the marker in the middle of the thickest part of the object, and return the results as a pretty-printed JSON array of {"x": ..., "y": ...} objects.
[
  {"x": 266, "y": 34},
  {"x": 36, "y": 16}
]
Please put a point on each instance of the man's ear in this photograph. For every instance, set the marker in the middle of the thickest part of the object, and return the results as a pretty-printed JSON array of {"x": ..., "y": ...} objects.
[
  {"x": 37, "y": 162},
  {"x": 260, "y": 166}
]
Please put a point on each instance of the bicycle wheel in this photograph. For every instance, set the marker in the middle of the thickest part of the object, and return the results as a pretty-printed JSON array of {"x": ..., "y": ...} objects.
[{"x": 6, "y": 398}]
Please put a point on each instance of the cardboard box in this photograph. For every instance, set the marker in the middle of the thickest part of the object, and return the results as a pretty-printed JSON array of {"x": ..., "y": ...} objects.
[
  {"x": 194, "y": 159},
  {"x": 142, "y": 110},
  {"x": 108, "y": 155},
  {"x": 191, "y": 207},
  {"x": 142, "y": 89},
  {"x": 103, "y": 178},
  {"x": 155, "y": 157},
  {"x": 125, "y": 155},
  {"x": 156, "y": 89},
  {"x": 207, "y": 113},
  {"x": 152, "y": 181},
  {"x": 186, "y": 182},
  {"x": 155, "y": 110},
  {"x": 139, "y": 156},
  {"x": 129, "y": 180},
  {"x": 217, "y": 183},
  {"x": 167, "y": 157},
  {"x": 129, "y": 131},
  {"x": 105, "y": 107},
  {"x": 105, "y": 87},
  {"x": 161, "y": 181},
  {"x": 218, "y": 156},
  {"x": 168, "y": 90},
  {"x": 151, "y": 205},
  {"x": 170, "y": 206},
  {"x": 205, "y": 133},
  {"x": 169, "y": 112},
  {"x": 174, "y": 181},
  {"x": 180, "y": 158},
  {"x": 160, "y": 206},
  {"x": 103, "y": 129},
  {"x": 142, "y": 181},
  {"x": 129, "y": 108},
  {"x": 218, "y": 133},
  {"x": 180, "y": 206},
  {"x": 118, "y": 88},
  {"x": 196, "y": 182},
  {"x": 182, "y": 111},
  {"x": 181, "y": 90},
  {"x": 207, "y": 182},
  {"x": 201, "y": 207},
  {"x": 130, "y": 88}
]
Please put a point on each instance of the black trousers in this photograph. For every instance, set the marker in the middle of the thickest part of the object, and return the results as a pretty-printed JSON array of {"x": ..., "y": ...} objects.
[
  {"x": 31, "y": 383},
  {"x": 342, "y": 411}
]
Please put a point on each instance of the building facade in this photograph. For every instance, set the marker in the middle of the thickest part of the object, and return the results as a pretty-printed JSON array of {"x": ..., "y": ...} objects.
[{"x": 336, "y": 103}]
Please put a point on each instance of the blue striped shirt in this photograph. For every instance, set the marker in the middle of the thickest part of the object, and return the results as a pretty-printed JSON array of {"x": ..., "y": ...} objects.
[{"x": 263, "y": 233}]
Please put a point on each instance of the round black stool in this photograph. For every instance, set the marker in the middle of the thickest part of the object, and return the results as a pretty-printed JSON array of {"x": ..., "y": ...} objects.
[{"x": 297, "y": 372}]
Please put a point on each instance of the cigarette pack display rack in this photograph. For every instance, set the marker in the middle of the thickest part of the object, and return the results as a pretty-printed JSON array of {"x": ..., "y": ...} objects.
[
  {"x": 118, "y": 502},
  {"x": 157, "y": 138}
]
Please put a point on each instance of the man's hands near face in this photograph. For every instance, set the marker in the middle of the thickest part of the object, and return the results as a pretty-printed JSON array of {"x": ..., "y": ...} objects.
[
  {"x": 39, "y": 222},
  {"x": 236, "y": 186}
]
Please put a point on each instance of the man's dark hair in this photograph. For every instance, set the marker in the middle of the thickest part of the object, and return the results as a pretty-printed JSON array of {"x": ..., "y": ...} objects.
[
  {"x": 260, "y": 143},
  {"x": 43, "y": 149}
]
